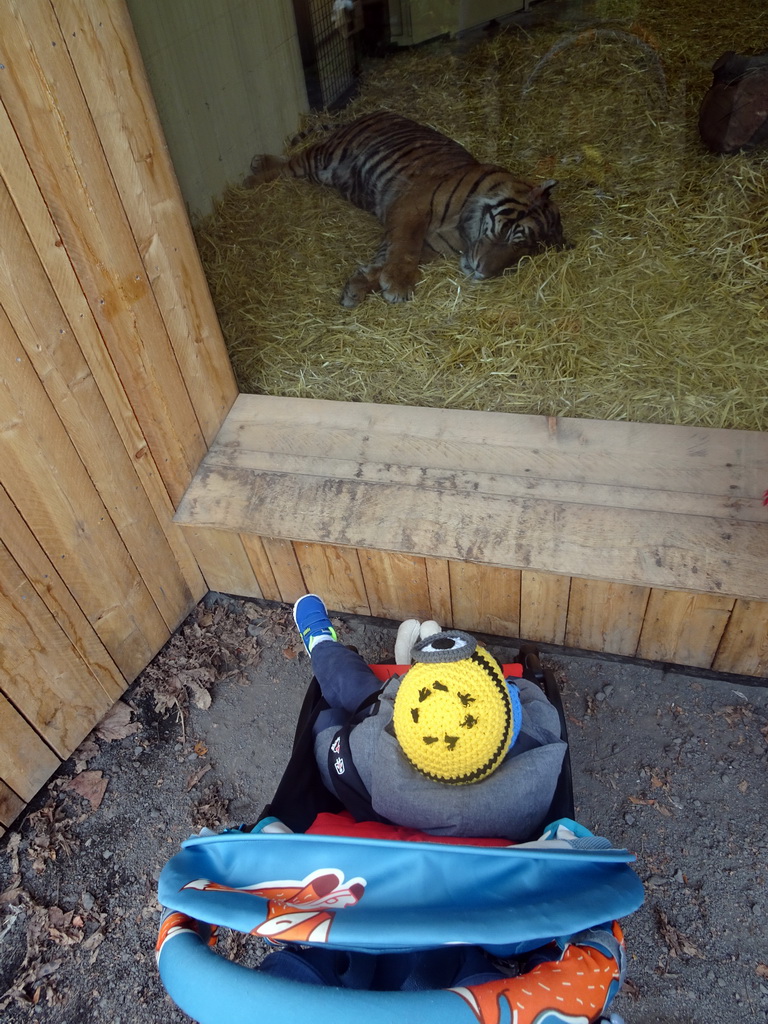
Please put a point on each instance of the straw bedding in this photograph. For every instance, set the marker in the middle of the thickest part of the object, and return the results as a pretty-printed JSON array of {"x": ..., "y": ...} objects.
[{"x": 657, "y": 314}]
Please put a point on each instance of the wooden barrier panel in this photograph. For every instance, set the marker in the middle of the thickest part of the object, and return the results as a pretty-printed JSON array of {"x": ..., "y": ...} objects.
[
  {"x": 675, "y": 508},
  {"x": 502, "y": 524},
  {"x": 696, "y": 630},
  {"x": 113, "y": 380}
]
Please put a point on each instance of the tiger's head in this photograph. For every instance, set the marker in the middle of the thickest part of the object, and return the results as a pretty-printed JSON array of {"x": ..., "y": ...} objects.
[{"x": 502, "y": 226}]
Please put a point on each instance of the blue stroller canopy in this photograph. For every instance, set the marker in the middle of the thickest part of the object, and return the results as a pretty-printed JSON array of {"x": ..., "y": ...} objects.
[{"x": 378, "y": 896}]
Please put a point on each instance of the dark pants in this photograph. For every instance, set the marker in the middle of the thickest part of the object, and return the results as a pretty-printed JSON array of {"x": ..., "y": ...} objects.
[{"x": 344, "y": 677}]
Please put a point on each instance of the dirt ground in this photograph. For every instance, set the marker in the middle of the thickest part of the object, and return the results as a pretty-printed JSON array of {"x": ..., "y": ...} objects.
[{"x": 668, "y": 763}]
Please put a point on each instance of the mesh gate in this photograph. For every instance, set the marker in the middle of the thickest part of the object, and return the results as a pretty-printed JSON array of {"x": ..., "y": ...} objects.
[{"x": 326, "y": 30}]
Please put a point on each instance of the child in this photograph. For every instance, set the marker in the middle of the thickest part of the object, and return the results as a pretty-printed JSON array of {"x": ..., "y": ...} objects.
[{"x": 450, "y": 748}]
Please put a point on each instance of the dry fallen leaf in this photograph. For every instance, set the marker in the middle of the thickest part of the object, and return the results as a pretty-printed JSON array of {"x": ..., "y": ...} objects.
[
  {"x": 629, "y": 988},
  {"x": 90, "y": 785},
  {"x": 117, "y": 724},
  {"x": 676, "y": 942},
  {"x": 195, "y": 777},
  {"x": 762, "y": 970}
]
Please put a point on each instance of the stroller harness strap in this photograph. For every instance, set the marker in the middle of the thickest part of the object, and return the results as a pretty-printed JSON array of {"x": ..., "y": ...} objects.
[{"x": 346, "y": 778}]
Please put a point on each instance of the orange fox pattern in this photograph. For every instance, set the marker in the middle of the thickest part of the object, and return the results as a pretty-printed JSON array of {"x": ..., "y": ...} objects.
[
  {"x": 573, "y": 990},
  {"x": 297, "y": 910}
]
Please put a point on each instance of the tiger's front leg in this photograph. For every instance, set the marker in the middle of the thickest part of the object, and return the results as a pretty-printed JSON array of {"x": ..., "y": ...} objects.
[{"x": 406, "y": 229}]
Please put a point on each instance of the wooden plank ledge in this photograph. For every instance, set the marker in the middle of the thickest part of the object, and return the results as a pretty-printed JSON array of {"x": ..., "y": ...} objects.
[{"x": 647, "y": 504}]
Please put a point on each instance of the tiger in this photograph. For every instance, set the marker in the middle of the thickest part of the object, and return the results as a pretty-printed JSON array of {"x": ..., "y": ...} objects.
[{"x": 432, "y": 197}]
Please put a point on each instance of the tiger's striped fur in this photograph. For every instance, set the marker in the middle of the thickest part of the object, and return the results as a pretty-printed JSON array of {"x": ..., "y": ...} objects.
[{"x": 432, "y": 197}]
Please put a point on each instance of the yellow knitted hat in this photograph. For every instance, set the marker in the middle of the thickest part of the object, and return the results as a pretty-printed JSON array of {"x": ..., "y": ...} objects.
[{"x": 454, "y": 715}]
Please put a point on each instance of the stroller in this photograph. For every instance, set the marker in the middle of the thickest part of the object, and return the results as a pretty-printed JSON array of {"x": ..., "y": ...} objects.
[{"x": 408, "y": 929}]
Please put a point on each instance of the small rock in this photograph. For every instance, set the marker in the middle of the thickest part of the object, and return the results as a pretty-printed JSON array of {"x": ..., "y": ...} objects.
[
  {"x": 106, "y": 854},
  {"x": 88, "y": 901},
  {"x": 629, "y": 819},
  {"x": 679, "y": 876}
]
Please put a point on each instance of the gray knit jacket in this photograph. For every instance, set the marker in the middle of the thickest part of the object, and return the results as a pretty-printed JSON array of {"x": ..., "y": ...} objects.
[{"x": 511, "y": 803}]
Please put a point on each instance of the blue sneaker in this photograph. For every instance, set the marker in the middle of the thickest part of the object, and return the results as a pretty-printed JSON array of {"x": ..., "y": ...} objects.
[{"x": 311, "y": 618}]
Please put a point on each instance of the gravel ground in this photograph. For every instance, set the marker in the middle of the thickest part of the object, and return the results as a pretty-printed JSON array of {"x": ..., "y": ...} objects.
[{"x": 669, "y": 763}]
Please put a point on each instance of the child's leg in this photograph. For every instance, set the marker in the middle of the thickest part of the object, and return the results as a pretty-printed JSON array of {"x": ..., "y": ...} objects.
[{"x": 344, "y": 677}]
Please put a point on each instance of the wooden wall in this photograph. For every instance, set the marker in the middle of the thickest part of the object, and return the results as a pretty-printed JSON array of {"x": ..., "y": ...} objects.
[
  {"x": 228, "y": 83},
  {"x": 725, "y": 634},
  {"x": 113, "y": 381}
]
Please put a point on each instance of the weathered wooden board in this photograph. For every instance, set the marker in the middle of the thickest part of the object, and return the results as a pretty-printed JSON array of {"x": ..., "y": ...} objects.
[
  {"x": 647, "y": 505},
  {"x": 262, "y": 569},
  {"x": 439, "y": 582},
  {"x": 335, "y": 574},
  {"x": 544, "y": 606},
  {"x": 51, "y": 347},
  {"x": 73, "y": 174},
  {"x": 52, "y": 591},
  {"x": 684, "y": 628},
  {"x": 488, "y": 602},
  {"x": 285, "y": 568},
  {"x": 103, "y": 50},
  {"x": 26, "y": 762},
  {"x": 55, "y": 346},
  {"x": 225, "y": 563},
  {"x": 396, "y": 585},
  {"x": 43, "y": 674},
  {"x": 11, "y": 804},
  {"x": 45, "y": 478},
  {"x": 744, "y": 646},
  {"x": 605, "y": 616}
]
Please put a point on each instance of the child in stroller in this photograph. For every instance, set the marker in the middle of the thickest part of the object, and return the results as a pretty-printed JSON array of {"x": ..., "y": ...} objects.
[
  {"x": 366, "y": 926},
  {"x": 449, "y": 747}
]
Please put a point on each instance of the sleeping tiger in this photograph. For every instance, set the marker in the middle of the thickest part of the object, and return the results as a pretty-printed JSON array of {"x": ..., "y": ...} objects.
[{"x": 432, "y": 197}]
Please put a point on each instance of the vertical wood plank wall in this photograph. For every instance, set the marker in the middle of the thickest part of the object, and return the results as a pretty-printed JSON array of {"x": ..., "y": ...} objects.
[
  {"x": 708, "y": 631},
  {"x": 113, "y": 381}
]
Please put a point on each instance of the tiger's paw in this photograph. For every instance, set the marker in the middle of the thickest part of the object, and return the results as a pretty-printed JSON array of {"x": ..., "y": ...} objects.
[
  {"x": 397, "y": 286},
  {"x": 364, "y": 281},
  {"x": 264, "y": 168}
]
